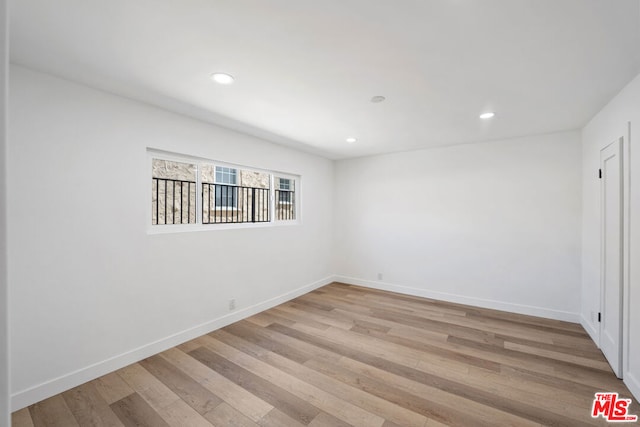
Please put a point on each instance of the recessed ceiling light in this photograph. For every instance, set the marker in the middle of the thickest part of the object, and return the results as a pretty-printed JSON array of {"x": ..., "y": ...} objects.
[
  {"x": 351, "y": 140},
  {"x": 378, "y": 98},
  {"x": 222, "y": 78},
  {"x": 487, "y": 115}
]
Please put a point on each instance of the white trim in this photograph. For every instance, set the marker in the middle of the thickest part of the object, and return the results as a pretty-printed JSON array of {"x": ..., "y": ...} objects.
[
  {"x": 182, "y": 228},
  {"x": 628, "y": 377},
  {"x": 473, "y": 301},
  {"x": 590, "y": 328},
  {"x": 633, "y": 384},
  {"x": 52, "y": 387},
  {"x": 626, "y": 251}
]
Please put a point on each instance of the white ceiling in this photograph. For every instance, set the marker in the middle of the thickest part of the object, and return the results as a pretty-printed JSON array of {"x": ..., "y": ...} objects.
[{"x": 306, "y": 69}]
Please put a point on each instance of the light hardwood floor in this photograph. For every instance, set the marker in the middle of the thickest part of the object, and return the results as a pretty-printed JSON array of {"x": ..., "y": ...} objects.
[{"x": 344, "y": 355}]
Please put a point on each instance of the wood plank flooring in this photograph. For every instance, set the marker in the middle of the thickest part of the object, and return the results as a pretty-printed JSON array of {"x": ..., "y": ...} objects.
[{"x": 349, "y": 356}]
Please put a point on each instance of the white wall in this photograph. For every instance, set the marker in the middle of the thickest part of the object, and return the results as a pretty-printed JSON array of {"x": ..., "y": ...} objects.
[
  {"x": 609, "y": 124},
  {"x": 492, "y": 224},
  {"x": 4, "y": 305},
  {"x": 91, "y": 291}
]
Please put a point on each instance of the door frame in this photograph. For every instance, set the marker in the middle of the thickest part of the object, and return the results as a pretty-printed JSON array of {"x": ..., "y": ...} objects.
[
  {"x": 621, "y": 310},
  {"x": 626, "y": 247}
]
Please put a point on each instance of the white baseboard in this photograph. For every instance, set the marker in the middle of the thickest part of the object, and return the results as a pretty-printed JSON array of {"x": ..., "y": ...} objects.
[
  {"x": 477, "y": 302},
  {"x": 52, "y": 387},
  {"x": 590, "y": 328},
  {"x": 633, "y": 384}
]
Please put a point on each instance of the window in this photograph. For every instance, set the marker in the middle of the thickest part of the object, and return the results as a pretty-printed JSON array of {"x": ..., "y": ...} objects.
[
  {"x": 285, "y": 199},
  {"x": 191, "y": 194},
  {"x": 173, "y": 192},
  {"x": 234, "y": 195}
]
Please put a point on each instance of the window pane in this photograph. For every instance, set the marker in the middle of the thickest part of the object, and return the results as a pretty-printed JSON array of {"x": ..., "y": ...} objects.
[
  {"x": 231, "y": 195},
  {"x": 285, "y": 199},
  {"x": 173, "y": 192}
]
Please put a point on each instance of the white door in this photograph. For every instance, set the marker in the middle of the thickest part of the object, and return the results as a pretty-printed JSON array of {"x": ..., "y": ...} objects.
[{"x": 611, "y": 255}]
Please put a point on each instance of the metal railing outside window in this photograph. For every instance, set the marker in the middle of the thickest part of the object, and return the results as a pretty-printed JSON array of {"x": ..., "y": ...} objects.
[
  {"x": 193, "y": 192},
  {"x": 222, "y": 203},
  {"x": 173, "y": 201},
  {"x": 285, "y": 205}
]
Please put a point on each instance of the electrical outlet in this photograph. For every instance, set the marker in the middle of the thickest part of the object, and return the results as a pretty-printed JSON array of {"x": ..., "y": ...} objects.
[
  {"x": 379, "y": 276},
  {"x": 232, "y": 304}
]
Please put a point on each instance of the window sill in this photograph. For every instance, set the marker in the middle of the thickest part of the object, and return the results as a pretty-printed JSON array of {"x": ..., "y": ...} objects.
[{"x": 186, "y": 228}]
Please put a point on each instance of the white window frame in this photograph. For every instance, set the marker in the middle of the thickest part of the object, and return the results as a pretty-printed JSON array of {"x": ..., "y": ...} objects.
[{"x": 199, "y": 226}]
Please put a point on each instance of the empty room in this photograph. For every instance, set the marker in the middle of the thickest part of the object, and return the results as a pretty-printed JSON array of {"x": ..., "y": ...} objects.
[{"x": 330, "y": 213}]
